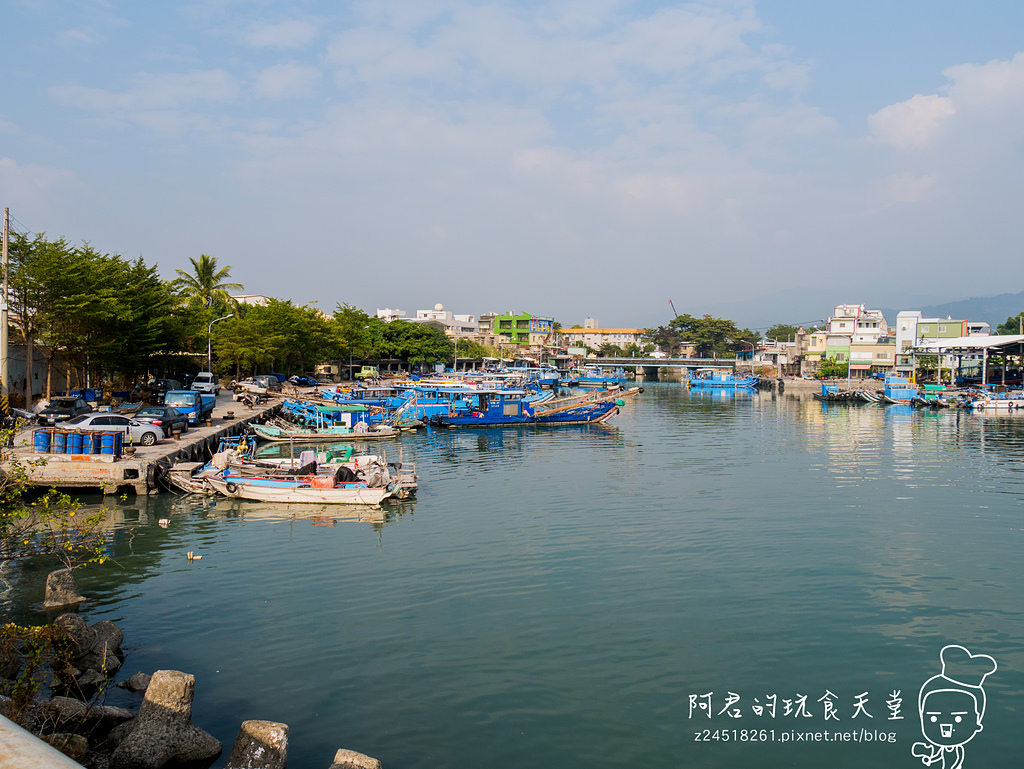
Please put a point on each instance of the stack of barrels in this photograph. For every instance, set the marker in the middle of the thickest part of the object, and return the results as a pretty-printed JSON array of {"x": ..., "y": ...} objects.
[{"x": 56, "y": 441}]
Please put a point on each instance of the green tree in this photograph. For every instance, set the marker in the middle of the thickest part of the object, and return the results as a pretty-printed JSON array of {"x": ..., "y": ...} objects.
[
  {"x": 710, "y": 335},
  {"x": 782, "y": 332},
  {"x": 412, "y": 342},
  {"x": 206, "y": 286},
  {"x": 832, "y": 368},
  {"x": 665, "y": 338},
  {"x": 352, "y": 337},
  {"x": 1012, "y": 325}
]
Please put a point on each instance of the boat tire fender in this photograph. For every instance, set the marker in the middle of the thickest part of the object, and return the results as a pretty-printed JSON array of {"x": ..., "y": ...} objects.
[{"x": 231, "y": 487}]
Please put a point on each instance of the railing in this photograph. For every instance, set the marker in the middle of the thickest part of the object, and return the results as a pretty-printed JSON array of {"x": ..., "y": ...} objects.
[{"x": 20, "y": 749}]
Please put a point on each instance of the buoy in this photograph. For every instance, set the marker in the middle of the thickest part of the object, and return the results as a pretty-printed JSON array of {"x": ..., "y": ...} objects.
[{"x": 165, "y": 522}]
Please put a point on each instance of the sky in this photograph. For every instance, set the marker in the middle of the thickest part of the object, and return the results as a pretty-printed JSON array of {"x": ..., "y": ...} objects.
[{"x": 762, "y": 161}]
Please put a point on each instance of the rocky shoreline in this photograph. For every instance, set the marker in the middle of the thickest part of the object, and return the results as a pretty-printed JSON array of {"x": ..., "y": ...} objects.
[{"x": 72, "y": 718}]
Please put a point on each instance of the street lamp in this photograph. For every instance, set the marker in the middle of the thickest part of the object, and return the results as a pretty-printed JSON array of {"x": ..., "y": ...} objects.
[{"x": 209, "y": 335}]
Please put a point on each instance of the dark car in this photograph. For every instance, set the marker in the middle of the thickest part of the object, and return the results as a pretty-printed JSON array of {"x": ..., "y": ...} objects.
[
  {"x": 161, "y": 387},
  {"x": 185, "y": 379},
  {"x": 166, "y": 417},
  {"x": 62, "y": 409}
]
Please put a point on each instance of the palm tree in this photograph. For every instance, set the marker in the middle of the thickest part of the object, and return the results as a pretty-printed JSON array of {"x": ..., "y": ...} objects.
[{"x": 206, "y": 284}]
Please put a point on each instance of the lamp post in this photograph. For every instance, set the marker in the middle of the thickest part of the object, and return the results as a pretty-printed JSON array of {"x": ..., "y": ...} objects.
[{"x": 209, "y": 335}]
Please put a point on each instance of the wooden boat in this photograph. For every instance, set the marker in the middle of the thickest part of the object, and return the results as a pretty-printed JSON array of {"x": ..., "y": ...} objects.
[
  {"x": 323, "y": 434},
  {"x": 302, "y": 489},
  {"x": 710, "y": 377},
  {"x": 490, "y": 408}
]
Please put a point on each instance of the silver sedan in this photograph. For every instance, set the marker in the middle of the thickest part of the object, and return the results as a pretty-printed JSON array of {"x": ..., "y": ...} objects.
[{"x": 134, "y": 432}]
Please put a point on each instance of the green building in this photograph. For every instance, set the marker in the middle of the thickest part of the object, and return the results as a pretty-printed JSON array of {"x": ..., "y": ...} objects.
[{"x": 517, "y": 328}]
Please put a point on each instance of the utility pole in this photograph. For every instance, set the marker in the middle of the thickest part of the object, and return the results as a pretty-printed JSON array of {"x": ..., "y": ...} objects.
[{"x": 4, "y": 373}]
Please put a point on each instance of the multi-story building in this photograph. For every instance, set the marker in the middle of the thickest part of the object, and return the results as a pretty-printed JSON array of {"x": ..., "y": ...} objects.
[
  {"x": 853, "y": 335},
  {"x": 594, "y": 337},
  {"x": 913, "y": 330},
  {"x": 523, "y": 328}
]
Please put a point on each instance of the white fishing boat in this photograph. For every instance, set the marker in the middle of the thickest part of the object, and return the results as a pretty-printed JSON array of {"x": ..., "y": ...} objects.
[{"x": 316, "y": 489}]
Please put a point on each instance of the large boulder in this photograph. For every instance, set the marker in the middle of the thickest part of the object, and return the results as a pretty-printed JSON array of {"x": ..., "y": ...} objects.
[
  {"x": 61, "y": 590},
  {"x": 260, "y": 745},
  {"x": 162, "y": 732}
]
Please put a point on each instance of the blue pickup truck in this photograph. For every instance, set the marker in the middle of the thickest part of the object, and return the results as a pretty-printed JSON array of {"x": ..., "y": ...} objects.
[{"x": 194, "y": 404}]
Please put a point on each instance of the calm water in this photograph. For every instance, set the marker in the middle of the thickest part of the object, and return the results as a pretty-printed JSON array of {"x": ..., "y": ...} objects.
[{"x": 566, "y": 597}]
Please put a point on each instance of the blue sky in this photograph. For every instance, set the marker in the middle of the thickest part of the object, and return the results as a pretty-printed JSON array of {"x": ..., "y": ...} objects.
[{"x": 582, "y": 158}]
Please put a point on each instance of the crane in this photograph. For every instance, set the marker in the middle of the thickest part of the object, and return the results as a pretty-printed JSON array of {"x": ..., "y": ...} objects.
[{"x": 676, "y": 314}]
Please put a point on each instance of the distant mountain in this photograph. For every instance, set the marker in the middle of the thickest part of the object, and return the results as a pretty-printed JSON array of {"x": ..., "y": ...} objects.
[
  {"x": 807, "y": 306},
  {"x": 993, "y": 310}
]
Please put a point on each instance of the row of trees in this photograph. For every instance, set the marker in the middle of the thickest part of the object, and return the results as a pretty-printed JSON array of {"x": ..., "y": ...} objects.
[{"x": 115, "y": 321}]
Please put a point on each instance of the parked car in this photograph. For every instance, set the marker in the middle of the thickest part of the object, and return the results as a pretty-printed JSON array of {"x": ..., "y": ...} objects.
[
  {"x": 269, "y": 381},
  {"x": 166, "y": 417},
  {"x": 367, "y": 372},
  {"x": 135, "y": 432},
  {"x": 160, "y": 388},
  {"x": 205, "y": 382},
  {"x": 62, "y": 409},
  {"x": 185, "y": 379},
  {"x": 302, "y": 381}
]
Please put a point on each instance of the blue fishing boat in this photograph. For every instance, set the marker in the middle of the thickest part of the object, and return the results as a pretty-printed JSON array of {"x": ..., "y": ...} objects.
[
  {"x": 596, "y": 376},
  {"x": 721, "y": 378},
  {"x": 490, "y": 408}
]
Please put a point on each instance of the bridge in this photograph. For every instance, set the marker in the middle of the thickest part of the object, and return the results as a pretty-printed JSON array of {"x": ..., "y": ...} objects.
[{"x": 650, "y": 366}]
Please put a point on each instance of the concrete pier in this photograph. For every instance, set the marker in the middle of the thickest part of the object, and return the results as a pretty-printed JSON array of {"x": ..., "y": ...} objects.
[{"x": 142, "y": 471}]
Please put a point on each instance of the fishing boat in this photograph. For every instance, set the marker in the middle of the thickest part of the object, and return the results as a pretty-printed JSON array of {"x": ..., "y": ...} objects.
[
  {"x": 596, "y": 376},
  {"x": 316, "y": 489},
  {"x": 488, "y": 408},
  {"x": 721, "y": 378},
  {"x": 239, "y": 458},
  {"x": 360, "y": 432}
]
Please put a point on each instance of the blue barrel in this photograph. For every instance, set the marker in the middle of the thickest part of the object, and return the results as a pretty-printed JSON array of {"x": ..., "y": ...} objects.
[
  {"x": 75, "y": 443},
  {"x": 118, "y": 444},
  {"x": 59, "y": 443},
  {"x": 42, "y": 441},
  {"x": 90, "y": 443},
  {"x": 106, "y": 443}
]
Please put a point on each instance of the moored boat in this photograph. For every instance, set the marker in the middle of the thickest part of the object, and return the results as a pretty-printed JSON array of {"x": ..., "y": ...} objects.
[
  {"x": 360, "y": 432},
  {"x": 712, "y": 377}
]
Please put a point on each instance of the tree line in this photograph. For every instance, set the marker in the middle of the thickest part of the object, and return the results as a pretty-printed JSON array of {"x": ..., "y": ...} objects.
[{"x": 114, "y": 321}]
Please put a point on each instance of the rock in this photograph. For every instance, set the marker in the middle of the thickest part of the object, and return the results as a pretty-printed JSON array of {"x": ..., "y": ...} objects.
[
  {"x": 90, "y": 679},
  {"x": 61, "y": 590},
  {"x": 349, "y": 759},
  {"x": 109, "y": 634},
  {"x": 161, "y": 733},
  {"x": 83, "y": 636},
  {"x": 139, "y": 682},
  {"x": 65, "y": 711},
  {"x": 260, "y": 745},
  {"x": 96, "y": 646},
  {"x": 74, "y": 746}
]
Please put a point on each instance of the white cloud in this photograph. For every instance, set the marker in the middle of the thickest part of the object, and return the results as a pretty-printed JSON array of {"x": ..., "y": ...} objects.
[
  {"x": 998, "y": 85},
  {"x": 912, "y": 124},
  {"x": 287, "y": 81},
  {"x": 287, "y": 34},
  {"x": 150, "y": 92}
]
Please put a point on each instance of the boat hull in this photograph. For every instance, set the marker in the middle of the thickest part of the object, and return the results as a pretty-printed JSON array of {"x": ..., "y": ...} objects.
[{"x": 246, "y": 488}]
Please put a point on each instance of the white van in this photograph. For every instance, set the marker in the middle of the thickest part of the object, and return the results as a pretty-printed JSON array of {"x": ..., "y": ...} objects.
[{"x": 205, "y": 382}]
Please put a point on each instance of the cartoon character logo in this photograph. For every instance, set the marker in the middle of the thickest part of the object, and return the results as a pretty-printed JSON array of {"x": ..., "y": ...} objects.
[{"x": 952, "y": 705}]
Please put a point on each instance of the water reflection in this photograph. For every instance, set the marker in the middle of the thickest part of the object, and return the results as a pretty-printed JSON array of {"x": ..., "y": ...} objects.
[{"x": 561, "y": 592}]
